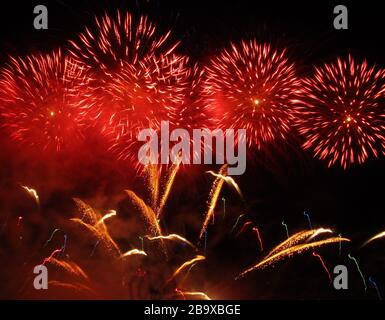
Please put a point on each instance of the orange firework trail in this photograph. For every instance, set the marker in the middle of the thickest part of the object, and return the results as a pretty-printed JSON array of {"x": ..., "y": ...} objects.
[
  {"x": 169, "y": 183},
  {"x": 340, "y": 114},
  {"x": 175, "y": 237},
  {"x": 185, "y": 265},
  {"x": 323, "y": 265},
  {"x": 153, "y": 183},
  {"x": 255, "y": 229},
  {"x": 69, "y": 267},
  {"x": 289, "y": 252},
  {"x": 295, "y": 239},
  {"x": 213, "y": 198},
  {"x": 134, "y": 252},
  {"x": 110, "y": 214},
  {"x": 229, "y": 180},
  {"x": 147, "y": 212},
  {"x": 32, "y": 193},
  {"x": 377, "y": 236},
  {"x": 95, "y": 225},
  {"x": 193, "y": 294}
]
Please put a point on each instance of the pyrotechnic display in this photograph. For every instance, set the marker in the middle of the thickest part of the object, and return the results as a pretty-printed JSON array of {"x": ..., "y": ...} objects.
[{"x": 82, "y": 217}]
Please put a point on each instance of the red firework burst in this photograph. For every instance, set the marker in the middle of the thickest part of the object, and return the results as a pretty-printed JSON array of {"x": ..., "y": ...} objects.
[
  {"x": 139, "y": 97},
  {"x": 38, "y": 97},
  {"x": 342, "y": 112},
  {"x": 137, "y": 80},
  {"x": 252, "y": 86},
  {"x": 118, "y": 39}
]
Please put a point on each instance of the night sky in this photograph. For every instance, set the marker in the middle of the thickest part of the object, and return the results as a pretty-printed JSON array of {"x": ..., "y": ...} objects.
[{"x": 279, "y": 185}]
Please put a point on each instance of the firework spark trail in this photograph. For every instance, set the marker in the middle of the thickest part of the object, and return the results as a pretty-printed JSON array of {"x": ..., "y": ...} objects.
[
  {"x": 71, "y": 286},
  {"x": 255, "y": 229},
  {"x": 153, "y": 183},
  {"x": 88, "y": 214},
  {"x": 229, "y": 180},
  {"x": 118, "y": 38},
  {"x": 169, "y": 183},
  {"x": 252, "y": 86},
  {"x": 287, "y": 230},
  {"x": 109, "y": 214},
  {"x": 147, "y": 212},
  {"x": 213, "y": 198},
  {"x": 133, "y": 252},
  {"x": 224, "y": 207},
  {"x": 245, "y": 225},
  {"x": 51, "y": 237},
  {"x": 94, "y": 248},
  {"x": 174, "y": 237},
  {"x": 202, "y": 295},
  {"x": 101, "y": 234},
  {"x": 57, "y": 251},
  {"x": 323, "y": 265},
  {"x": 308, "y": 219},
  {"x": 377, "y": 236},
  {"x": 376, "y": 287},
  {"x": 205, "y": 244},
  {"x": 32, "y": 193},
  {"x": 288, "y": 253},
  {"x": 296, "y": 239},
  {"x": 180, "y": 292},
  {"x": 19, "y": 220},
  {"x": 70, "y": 267},
  {"x": 187, "y": 273},
  {"x": 142, "y": 242},
  {"x": 185, "y": 265},
  {"x": 339, "y": 245},
  {"x": 236, "y": 222},
  {"x": 359, "y": 270},
  {"x": 319, "y": 231},
  {"x": 340, "y": 114},
  {"x": 63, "y": 248}
]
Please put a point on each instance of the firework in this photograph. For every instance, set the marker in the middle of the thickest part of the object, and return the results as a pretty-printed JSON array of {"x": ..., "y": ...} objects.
[
  {"x": 229, "y": 180},
  {"x": 147, "y": 212},
  {"x": 252, "y": 86},
  {"x": 134, "y": 252},
  {"x": 375, "y": 237},
  {"x": 286, "y": 228},
  {"x": 108, "y": 215},
  {"x": 92, "y": 221},
  {"x": 51, "y": 237},
  {"x": 359, "y": 270},
  {"x": 119, "y": 38},
  {"x": 376, "y": 287},
  {"x": 143, "y": 81},
  {"x": 323, "y": 265},
  {"x": 256, "y": 230},
  {"x": 341, "y": 112},
  {"x": 69, "y": 267},
  {"x": 185, "y": 265},
  {"x": 39, "y": 101},
  {"x": 308, "y": 219},
  {"x": 213, "y": 198},
  {"x": 243, "y": 228},
  {"x": 289, "y": 252},
  {"x": 32, "y": 193},
  {"x": 174, "y": 237},
  {"x": 237, "y": 221}
]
